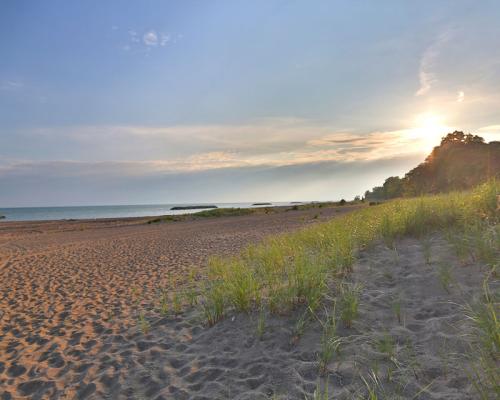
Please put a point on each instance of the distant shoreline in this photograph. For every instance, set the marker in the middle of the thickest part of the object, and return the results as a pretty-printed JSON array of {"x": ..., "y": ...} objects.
[
  {"x": 124, "y": 212},
  {"x": 6, "y": 224}
]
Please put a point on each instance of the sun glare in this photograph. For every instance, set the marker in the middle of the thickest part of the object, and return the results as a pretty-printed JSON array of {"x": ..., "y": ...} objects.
[{"x": 428, "y": 130}]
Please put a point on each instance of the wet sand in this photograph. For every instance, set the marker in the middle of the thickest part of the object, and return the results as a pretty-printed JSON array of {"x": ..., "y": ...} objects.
[{"x": 70, "y": 290}]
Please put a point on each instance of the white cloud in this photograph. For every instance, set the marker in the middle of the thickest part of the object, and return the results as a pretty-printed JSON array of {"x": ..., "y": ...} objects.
[
  {"x": 272, "y": 142},
  {"x": 490, "y": 128},
  {"x": 460, "y": 96},
  {"x": 426, "y": 76},
  {"x": 133, "y": 36},
  {"x": 150, "y": 39},
  {"x": 164, "y": 39}
]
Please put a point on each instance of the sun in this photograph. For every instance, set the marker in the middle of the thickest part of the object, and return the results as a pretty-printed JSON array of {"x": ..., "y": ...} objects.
[
  {"x": 429, "y": 121},
  {"x": 428, "y": 129}
]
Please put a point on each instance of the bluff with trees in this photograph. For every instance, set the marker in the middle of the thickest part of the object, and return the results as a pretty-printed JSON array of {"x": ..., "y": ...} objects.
[{"x": 461, "y": 161}]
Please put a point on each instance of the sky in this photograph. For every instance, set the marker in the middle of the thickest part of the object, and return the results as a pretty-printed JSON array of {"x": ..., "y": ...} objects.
[{"x": 145, "y": 102}]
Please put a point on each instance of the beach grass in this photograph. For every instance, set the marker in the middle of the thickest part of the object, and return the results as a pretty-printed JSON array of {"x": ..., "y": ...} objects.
[
  {"x": 298, "y": 268},
  {"x": 321, "y": 393},
  {"x": 348, "y": 303},
  {"x": 485, "y": 321},
  {"x": 309, "y": 270},
  {"x": 445, "y": 276},
  {"x": 484, "y": 373},
  {"x": 330, "y": 343},
  {"x": 226, "y": 212},
  {"x": 238, "y": 212}
]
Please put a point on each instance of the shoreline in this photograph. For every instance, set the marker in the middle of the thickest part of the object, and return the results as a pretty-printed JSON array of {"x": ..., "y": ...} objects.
[
  {"x": 155, "y": 210},
  {"x": 119, "y": 221}
]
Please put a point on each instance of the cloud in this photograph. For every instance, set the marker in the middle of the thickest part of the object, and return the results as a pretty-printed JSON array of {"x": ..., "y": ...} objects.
[
  {"x": 277, "y": 141},
  {"x": 266, "y": 143},
  {"x": 490, "y": 133},
  {"x": 271, "y": 159},
  {"x": 10, "y": 85},
  {"x": 150, "y": 38},
  {"x": 349, "y": 139},
  {"x": 133, "y": 36},
  {"x": 283, "y": 158},
  {"x": 427, "y": 77},
  {"x": 164, "y": 39},
  {"x": 76, "y": 183},
  {"x": 490, "y": 128},
  {"x": 460, "y": 96}
]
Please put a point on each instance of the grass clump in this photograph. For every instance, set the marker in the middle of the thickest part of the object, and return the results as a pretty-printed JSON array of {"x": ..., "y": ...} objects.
[
  {"x": 163, "y": 218},
  {"x": 330, "y": 343},
  {"x": 321, "y": 393},
  {"x": 164, "y": 303},
  {"x": 485, "y": 320},
  {"x": 372, "y": 385},
  {"x": 445, "y": 277},
  {"x": 191, "y": 296},
  {"x": 261, "y": 324},
  {"x": 299, "y": 326},
  {"x": 426, "y": 249},
  {"x": 225, "y": 212},
  {"x": 386, "y": 346},
  {"x": 213, "y": 304},
  {"x": 485, "y": 347},
  {"x": 484, "y": 243},
  {"x": 236, "y": 281},
  {"x": 348, "y": 303},
  {"x": 143, "y": 323},
  {"x": 176, "y": 303},
  {"x": 397, "y": 309},
  {"x": 485, "y": 376}
]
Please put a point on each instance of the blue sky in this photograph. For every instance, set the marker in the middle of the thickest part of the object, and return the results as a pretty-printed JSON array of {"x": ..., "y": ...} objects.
[{"x": 182, "y": 101}]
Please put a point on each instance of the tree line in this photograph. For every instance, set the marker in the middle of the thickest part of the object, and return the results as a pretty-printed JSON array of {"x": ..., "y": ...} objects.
[{"x": 461, "y": 161}]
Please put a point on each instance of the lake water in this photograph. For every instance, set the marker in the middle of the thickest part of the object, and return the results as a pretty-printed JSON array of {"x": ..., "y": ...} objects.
[{"x": 93, "y": 212}]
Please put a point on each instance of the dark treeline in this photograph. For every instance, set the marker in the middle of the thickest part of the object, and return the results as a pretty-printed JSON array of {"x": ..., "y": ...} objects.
[{"x": 460, "y": 162}]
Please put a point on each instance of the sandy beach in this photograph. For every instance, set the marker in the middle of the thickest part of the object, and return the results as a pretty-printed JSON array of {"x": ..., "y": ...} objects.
[
  {"x": 69, "y": 318},
  {"x": 71, "y": 289}
]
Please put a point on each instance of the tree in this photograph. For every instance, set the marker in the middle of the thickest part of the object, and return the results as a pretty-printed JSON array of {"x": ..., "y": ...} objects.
[
  {"x": 393, "y": 187},
  {"x": 461, "y": 161}
]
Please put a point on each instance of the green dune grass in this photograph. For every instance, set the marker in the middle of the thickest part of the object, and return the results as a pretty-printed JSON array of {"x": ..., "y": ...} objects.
[
  {"x": 300, "y": 270},
  {"x": 236, "y": 212},
  {"x": 297, "y": 268}
]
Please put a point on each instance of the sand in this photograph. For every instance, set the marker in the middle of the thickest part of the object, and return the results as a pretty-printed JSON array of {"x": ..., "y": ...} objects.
[
  {"x": 70, "y": 291},
  {"x": 69, "y": 323}
]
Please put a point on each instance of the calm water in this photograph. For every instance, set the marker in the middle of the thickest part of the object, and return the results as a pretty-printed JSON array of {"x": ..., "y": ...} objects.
[{"x": 92, "y": 212}]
